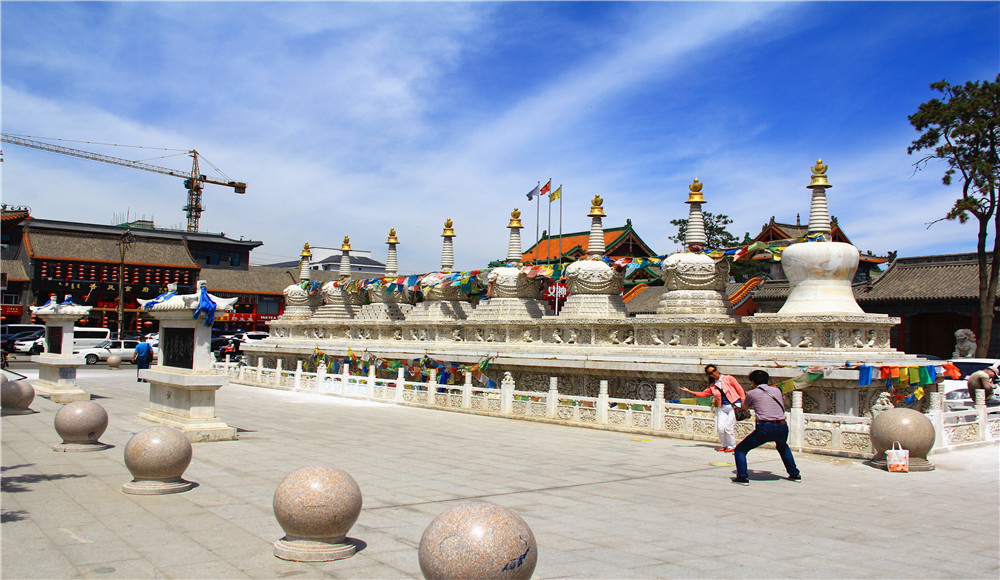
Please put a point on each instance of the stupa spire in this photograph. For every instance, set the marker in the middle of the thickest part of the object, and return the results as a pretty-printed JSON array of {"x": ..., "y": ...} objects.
[
  {"x": 514, "y": 242},
  {"x": 595, "y": 245},
  {"x": 819, "y": 214},
  {"x": 391, "y": 265},
  {"x": 345, "y": 258},
  {"x": 447, "y": 248},
  {"x": 696, "y": 219},
  {"x": 305, "y": 263}
]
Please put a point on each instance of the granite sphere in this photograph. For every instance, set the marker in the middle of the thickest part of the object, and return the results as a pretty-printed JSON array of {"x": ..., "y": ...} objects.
[
  {"x": 912, "y": 429},
  {"x": 158, "y": 453},
  {"x": 317, "y": 503},
  {"x": 478, "y": 540},
  {"x": 16, "y": 395},
  {"x": 114, "y": 361},
  {"x": 81, "y": 422}
]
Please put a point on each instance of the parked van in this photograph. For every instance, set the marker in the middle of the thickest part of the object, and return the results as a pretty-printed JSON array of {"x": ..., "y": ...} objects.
[
  {"x": 12, "y": 329},
  {"x": 89, "y": 337}
]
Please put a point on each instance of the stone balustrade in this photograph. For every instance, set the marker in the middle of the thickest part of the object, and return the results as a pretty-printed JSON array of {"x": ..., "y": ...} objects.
[{"x": 816, "y": 433}]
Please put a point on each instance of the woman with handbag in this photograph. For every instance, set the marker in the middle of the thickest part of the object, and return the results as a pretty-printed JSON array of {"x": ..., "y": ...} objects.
[
  {"x": 726, "y": 395},
  {"x": 769, "y": 404}
]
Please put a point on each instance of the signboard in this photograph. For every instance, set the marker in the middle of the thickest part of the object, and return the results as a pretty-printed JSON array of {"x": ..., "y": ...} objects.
[
  {"x": 555, "y": 292},
  {"x": 177, "y": 347},
  {"x": 12, "y": 310},
  {"x": 53, "y": 339}
]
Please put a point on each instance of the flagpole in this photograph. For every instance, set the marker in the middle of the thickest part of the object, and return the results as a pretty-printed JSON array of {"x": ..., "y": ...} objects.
[
  {"x": 538, "y": 210},
  {"x": 548, "y": 251},
  {"x": 560, "y": 247}
]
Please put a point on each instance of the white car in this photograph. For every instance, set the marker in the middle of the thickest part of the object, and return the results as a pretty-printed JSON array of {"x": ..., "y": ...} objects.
[
  {"x": 120, "y": 348},
  {"x": 956, "y": 391}
]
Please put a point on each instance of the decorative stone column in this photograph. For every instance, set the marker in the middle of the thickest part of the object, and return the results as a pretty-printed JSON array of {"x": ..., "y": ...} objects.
[
  {"x": 300, "y": 297},
  {"x": 695, "y": 282},
  {"x": 389, "y": 300},
  {"x": 57, "y": 365},
  {"x": 443, "y": 301},
  {"x": 182, "y": 385},
  {"x": 595, "y": 288},
  {"x": 512, "y": 295},
  {"x": 338, "y": 302}
]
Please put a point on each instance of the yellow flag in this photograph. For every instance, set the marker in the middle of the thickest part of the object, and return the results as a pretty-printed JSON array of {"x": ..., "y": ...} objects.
[{"x": 555, "y": 194}]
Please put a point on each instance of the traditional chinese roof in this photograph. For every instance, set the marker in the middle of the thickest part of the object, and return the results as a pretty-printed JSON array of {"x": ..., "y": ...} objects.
[
  {"x": 942, "y": 277},
  {"x": 774, "y": 231},
  {"x": 15, "y": 270},
  {"x": 84, "y": 246},
  {"x": 618, "y": 243},
  {"x": 258, "y": 279},
  {"x": 12, "y": 214}
]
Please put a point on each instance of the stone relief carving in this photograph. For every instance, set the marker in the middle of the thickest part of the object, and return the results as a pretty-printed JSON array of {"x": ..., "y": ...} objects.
[
  {"x": 818, "y": 437},
  {"x": 656, "y": 337},
  {"x": 807, "y": 338},
  {"x": 629, "y": 337},
  {"x": 456, "y": 334},
  {"x": 557, "y": 336},
  {"x": 965, "y": 343},
  {"x": 526, "y": 335},
  {"x": 675, "y": 339},
  {"x": 781, "y": 338}
]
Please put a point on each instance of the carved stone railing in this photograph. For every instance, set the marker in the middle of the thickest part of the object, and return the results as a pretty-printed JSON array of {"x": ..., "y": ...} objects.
[{"x": 815, "y": 433}]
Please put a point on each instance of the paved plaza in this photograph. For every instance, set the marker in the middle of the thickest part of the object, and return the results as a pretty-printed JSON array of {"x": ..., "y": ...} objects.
[{"x": 601, "y": 504}]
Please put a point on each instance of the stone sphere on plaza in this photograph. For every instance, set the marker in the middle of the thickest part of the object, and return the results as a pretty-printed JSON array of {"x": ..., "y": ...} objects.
[
  {"x": 16, "y": 395},
  {"x": 478, "y": 540},
  {"x": 114, "y": 361},
  {"x": 158, "y": 453},
  {"x": 81, "y": 422},
  {"x": 317, "y": 503},
  {"x": 912, "y": 429}
]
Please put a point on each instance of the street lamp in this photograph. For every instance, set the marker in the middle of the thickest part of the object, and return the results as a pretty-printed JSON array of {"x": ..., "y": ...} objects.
[{"x": 126, "y": 240}]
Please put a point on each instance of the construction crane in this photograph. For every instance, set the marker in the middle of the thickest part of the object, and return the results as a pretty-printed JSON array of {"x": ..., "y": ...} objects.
[{"x": 192, "y": 181}]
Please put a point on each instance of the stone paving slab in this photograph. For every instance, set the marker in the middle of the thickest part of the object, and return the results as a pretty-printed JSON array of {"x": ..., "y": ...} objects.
[{"x": 601, "y": 504}]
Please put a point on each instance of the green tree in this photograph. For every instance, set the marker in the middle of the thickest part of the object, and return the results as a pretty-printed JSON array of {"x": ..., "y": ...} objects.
[
  {"x": 717, "y": 237},
  {"x": 964, "y": 132}
]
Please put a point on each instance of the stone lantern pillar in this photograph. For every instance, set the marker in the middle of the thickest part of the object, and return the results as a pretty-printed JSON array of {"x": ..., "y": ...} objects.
[
  {"x": 695, "y": 282},
  {"x": 338, "y": 302},
  {"x": 820, "y": 273},
  {"x": 57, "y": 364},
  {"x": 300, "y": 300},
  {"x": 443, "y": 301},
  {"x": 595, "y": 288},
  {"x": 388, "y": 300},
  {"x": 512, "y": 295},
  {"x": 182, "y": 385}
]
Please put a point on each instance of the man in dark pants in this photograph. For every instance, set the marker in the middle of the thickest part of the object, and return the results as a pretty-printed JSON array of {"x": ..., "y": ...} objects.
[
  {"x": 769, "y": 404},
  {"x": 142, "y": 356}
]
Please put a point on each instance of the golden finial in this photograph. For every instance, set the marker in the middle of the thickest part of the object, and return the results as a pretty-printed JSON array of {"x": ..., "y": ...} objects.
[
  {"x": 819, "y": 176},
  {"x": 346, "y": 246},
  {"x": 448, "y": 232},
  {"x": 695, "y": 196},
  {"x": 392, "y": 237},
  {"x": 305, "y": 251},
  {"x": 596, "y": 209},
  {"x": 515, "y": 219}
]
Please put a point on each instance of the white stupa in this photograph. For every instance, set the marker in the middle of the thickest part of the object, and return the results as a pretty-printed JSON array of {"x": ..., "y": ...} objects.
[
  {"x": 442, "y": 299},
  {"x": 595, "y": 288}
]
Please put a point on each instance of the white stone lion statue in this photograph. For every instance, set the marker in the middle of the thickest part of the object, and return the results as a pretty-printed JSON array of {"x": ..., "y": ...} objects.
[{"x": 965, "y": 343}]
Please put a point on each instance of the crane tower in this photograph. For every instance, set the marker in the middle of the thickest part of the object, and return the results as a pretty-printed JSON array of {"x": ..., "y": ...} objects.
[{"x": 192, "y": 181}]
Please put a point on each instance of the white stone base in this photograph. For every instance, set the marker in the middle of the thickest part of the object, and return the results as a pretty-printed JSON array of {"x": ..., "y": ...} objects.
[
  {"x": 506, "y": 309},
  {"x": 296, "y": 313},
  {"x": 384, "y": 311},
  {"x": 701, "y": 302},
  {"x": 186, "y": 401},
  {"x": 440, "y": 310},
  {"x": 57, "y": 378},
  {"x": 336, "y": 311},
  {"x": 592, "y": 306}
]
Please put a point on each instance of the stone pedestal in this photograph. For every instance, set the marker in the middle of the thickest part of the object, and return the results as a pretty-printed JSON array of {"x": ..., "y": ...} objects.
[
  {"x": 185, "y": 400},
  {"x": 57, "y": 378}
]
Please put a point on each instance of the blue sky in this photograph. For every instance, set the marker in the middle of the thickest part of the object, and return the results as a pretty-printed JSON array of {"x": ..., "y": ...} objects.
[{"x": 351, "y": 118}]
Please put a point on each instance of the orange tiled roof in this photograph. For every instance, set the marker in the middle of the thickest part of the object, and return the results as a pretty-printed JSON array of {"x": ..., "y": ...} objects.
[{"x": 575, "y": 244}]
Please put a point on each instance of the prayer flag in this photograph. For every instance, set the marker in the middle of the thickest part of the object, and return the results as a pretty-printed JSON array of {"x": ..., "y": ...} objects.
[
  {"x": 533, "y": 193},
  {"x": 914, "y": 375},
  {"x": 556, "y": 194},
  {"x": 864, "y": 375},
  {"x": 546, "y": 188}
]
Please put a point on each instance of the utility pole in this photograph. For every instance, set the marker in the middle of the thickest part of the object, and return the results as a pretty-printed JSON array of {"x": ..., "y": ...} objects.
[{"x": 126, "y": 240}]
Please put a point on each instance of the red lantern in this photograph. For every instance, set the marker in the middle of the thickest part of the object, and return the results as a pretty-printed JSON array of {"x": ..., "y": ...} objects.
[{"x": 147, "y": 324}]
